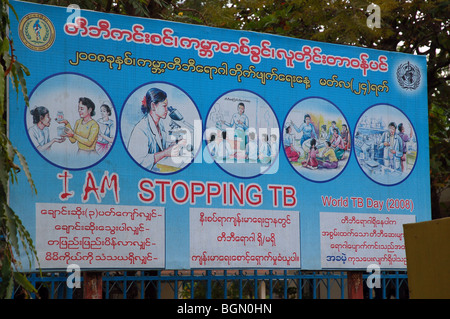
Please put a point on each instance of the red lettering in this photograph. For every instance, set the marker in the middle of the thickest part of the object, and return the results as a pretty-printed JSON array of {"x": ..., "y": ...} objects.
[
  {"x": 65, "y": 194},
  {"x": 90, "y": 186},
  {"x": 173, "y": 193},
  {"x": 289, "y": 198},
  {"x": 256, "y": 199},
  {"x": 235, "y": 193},
  {"x": 210, "y": 186},
  {"x": 275, "y": 189},
  {"x": 163, "y": 184},
  {"x": 110, "y": 184},
  {"x": 197, "y": 189},
  {"x": 146, "y": 194}
]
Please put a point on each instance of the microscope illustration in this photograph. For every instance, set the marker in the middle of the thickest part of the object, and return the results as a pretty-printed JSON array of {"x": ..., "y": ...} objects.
[{"x": 179, "y": 132}]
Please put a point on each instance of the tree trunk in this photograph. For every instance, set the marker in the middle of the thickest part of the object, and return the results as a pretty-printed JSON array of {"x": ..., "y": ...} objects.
[{"x": 435, "y": 203}]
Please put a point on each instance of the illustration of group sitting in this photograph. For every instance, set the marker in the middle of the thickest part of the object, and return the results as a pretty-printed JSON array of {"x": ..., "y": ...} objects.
[
  {"x": 244, "y": 145},
  {"x": 264, "y": 151},
  {"x": 313, "y": 150},
  {"x": 93, "y": 137}
]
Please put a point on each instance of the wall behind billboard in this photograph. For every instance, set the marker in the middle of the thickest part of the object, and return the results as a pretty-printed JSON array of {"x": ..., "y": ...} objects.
[{"x": 160, "y": 145}]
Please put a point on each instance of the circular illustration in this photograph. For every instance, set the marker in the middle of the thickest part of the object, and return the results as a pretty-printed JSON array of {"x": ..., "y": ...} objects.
[
  {"x": 316, "y": 139},
  {"x": 71, "y": 121},
  {"x": 242, "y": 133},
  {"x": 161, "y": 128},
  {"x": 385, "y": 144}
]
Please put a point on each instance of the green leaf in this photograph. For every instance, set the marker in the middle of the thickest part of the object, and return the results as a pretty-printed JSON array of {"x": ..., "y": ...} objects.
[
  {"x": 26, "y": 169},
  {"x": 7, "y": 283},
  {"x": 23, "y": 281},
  {"x": 14, "y": 78},
  {"x": 13, "y": 10},
  {"x": 3, "y": 171},
  {"x": 2, "y": 91},
  {"x": 11, "y": 228},
  {"x": 5, "y": 45},
  {"x": 21, "y": 72},
  {"x": 26, "y": 240}
]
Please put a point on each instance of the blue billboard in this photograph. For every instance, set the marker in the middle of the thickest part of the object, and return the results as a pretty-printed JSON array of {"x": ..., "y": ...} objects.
[{"x": 162, "y": 145}]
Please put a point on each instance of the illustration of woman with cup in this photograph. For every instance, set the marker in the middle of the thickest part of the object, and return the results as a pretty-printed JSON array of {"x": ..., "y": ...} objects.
[
  {"x": 86, "y": 129},
  {"x": 39, "y": 132}
]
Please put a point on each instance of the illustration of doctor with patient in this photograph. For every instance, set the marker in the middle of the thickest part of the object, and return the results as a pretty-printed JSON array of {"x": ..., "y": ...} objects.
[
  {"x": 392, "y": 146},
  {"x": 240, "y": 122}
]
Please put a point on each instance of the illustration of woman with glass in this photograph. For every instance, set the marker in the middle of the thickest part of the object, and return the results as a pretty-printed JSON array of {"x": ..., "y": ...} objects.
[
  {"x": 86, "y": 129},
  {"x": 39, "y": 132},
  {"x": 106, "y": 133},
  {"x": 148, "y": 142}
]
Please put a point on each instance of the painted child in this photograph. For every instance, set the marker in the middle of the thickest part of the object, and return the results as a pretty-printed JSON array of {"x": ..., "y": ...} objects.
[{"x": 311, "y": 161}]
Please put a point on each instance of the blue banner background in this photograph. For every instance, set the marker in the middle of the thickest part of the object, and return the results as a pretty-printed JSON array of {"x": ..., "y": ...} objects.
[{"x": 118, "y": 86}]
